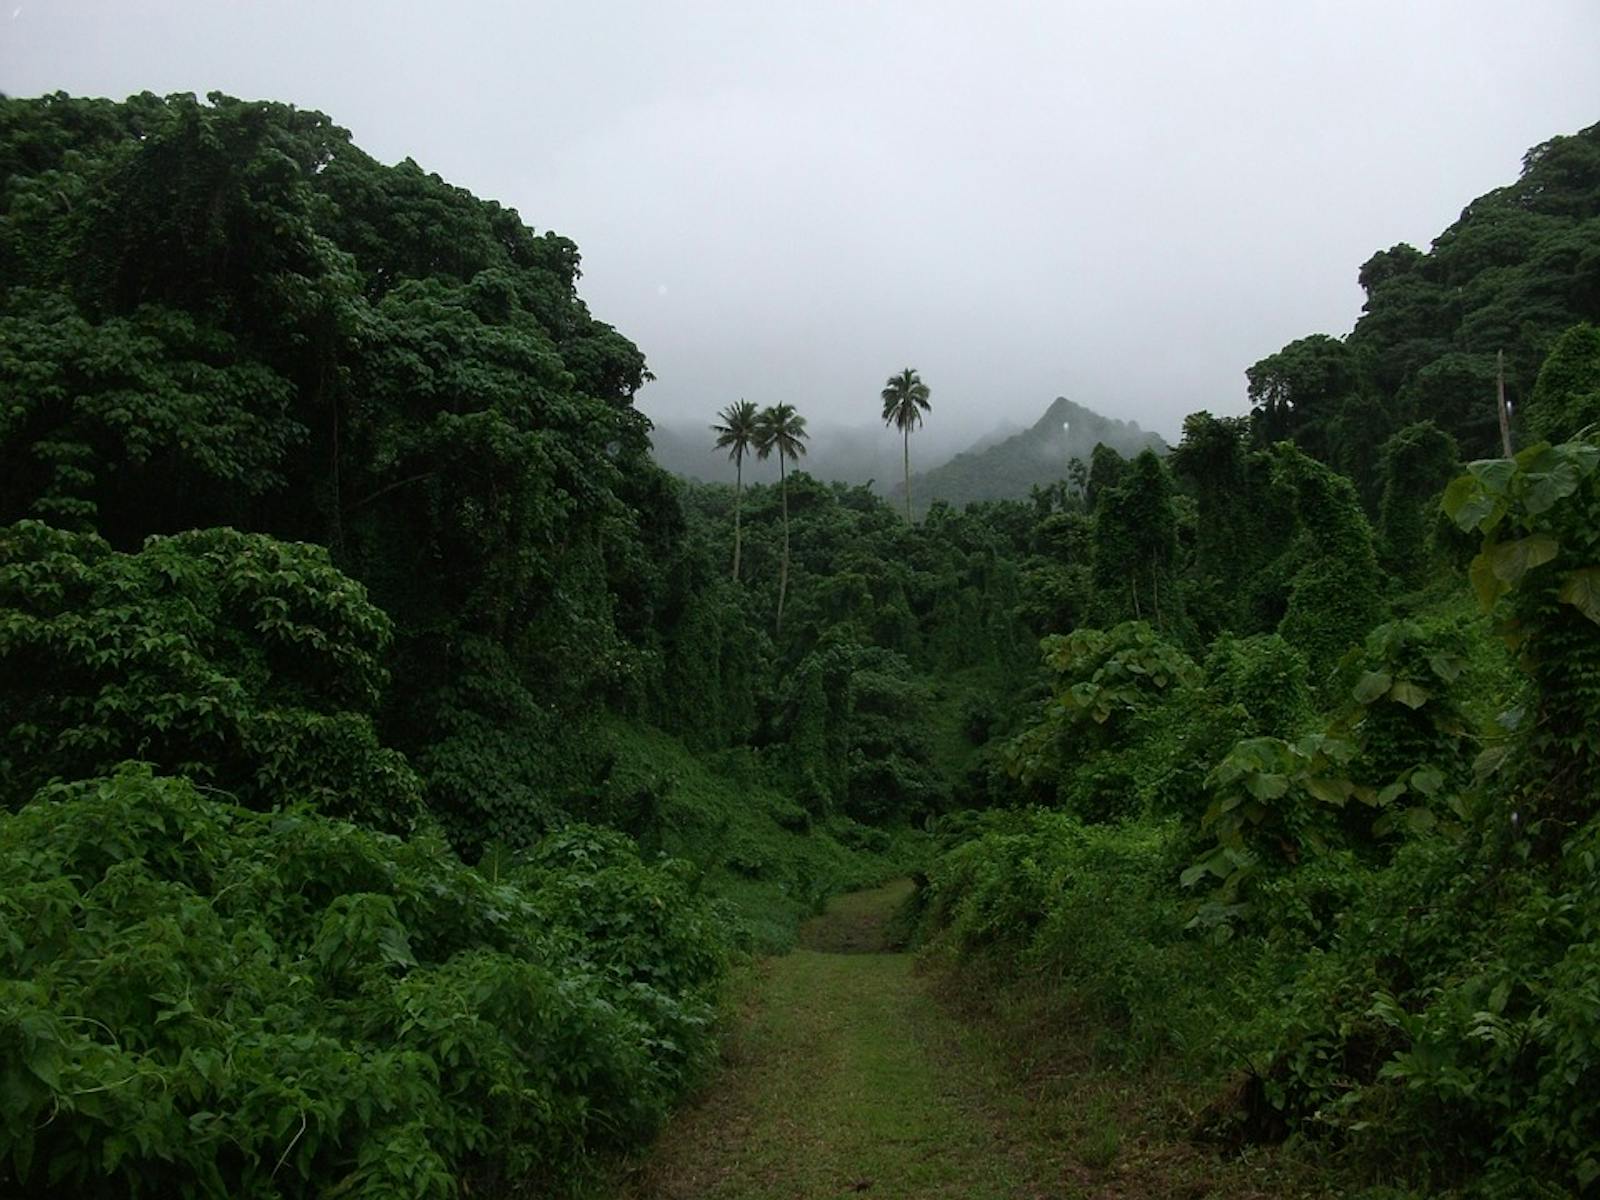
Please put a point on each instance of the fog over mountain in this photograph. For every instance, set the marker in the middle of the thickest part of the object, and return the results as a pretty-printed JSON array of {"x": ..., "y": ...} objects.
[
  {"x": 1004, "y": 464},
  {"x": 850, "y": 453}
]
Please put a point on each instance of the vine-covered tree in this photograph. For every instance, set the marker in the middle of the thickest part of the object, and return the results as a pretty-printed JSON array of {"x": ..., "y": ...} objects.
[
  {"x": 1415, "y": 465},
  {"x": 1566, "y": 398},
  {"x": 905, "y": 399}
]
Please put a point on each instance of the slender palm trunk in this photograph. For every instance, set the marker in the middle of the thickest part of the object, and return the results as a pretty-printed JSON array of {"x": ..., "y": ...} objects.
[
  {"x": 783, "y": 572},
  {"x": 907, "y": 436},
  {"x": 738, "y": 497}
]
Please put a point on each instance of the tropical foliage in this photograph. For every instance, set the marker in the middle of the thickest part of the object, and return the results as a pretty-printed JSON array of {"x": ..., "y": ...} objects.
[{"x": 391, "y": 765}]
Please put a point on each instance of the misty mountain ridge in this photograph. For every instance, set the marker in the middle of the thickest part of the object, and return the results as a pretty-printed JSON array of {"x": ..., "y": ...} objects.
[
  {"x": 1009, "y": 469},
  {"x": 1003, "y": 464}
]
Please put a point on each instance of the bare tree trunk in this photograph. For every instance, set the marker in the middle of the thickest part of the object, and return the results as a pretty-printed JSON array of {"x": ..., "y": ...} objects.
[
  {"x": 907, "y": 437},
  {"x": 783, "y": 572},
  {"x": 738, "y": 498},
  {"x": 1500, "y": 390},
  {"x": 1155, "y": 594}
]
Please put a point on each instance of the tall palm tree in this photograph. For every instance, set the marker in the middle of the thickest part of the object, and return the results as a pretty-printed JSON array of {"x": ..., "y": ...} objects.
[
  {"x": 782, "y": 429},
  {"x": 737, "y": 435},
  {"x": 905, "y": 399}
]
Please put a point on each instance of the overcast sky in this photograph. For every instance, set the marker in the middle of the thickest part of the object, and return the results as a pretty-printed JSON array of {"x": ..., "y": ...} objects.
[{"x": 1124, "y": 203}]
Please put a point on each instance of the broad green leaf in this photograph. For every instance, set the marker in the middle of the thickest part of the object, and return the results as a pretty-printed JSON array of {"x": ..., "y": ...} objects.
[
  {"x": 1488, "y": 586},
  {"x": 1372, "y": 685},
  {"x": 1420, "y": 820},
  {"x": 1494, "y": 474},
  {"x": 1329, "y": 791},
  {"x": 1586, "y": 455},
  {"x": 1267, "y": 786},
  {"x": 1082, "y": 695},
  {"x": 1391, "y": 793},
  {"x": 1537, "y": 458},
  {"x": 1410, "y": 694},
  {"x": 1512, "y": 560},
  {"x": 1427, "y": 780},
  {"x": 1447, "y": 667},
  {"x": 1545, "y": 489},
  {"x": 1466, "y": 503},
  {"x": 1581, "y": 589}
]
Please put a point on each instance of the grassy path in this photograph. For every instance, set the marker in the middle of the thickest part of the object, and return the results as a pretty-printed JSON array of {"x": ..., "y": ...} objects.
[{"x": 848, "y": 1078}]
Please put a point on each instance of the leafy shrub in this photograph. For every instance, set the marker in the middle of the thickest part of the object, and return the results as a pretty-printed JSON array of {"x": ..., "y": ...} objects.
[
  {"x": 1566, "y": 398},
  {"x": 245, "y": 663},
  {"x": 1538, "y": 571},
  {"x": 199, "y": 1000},
  {"x": 1089, "y": 908},
  {"x": 1415, "y": 463},
  {"x": 1453, "y": 1019},
  {"x": 1264, "y": 678},
  {"x": 1405, "y": 707},
  {"x": 1107, "y": 688}
]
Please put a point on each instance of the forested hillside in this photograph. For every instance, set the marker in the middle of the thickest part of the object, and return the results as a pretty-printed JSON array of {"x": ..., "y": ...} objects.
[
  {"x": 1520, "y": 266},
  {"x": 1036, "y": 457},
  {"x": 396, "y": 762}
]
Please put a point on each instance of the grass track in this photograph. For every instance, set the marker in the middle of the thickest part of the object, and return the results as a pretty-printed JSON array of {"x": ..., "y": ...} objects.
[
  {"x": 853, "y": 1075},
  {"x": 847, "y": 1079}
]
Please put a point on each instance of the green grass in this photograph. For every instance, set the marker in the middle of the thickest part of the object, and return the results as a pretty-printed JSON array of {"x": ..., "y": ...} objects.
[
  {"x": 760, "y": 852},
  {"x": 844, "y": 1079}
]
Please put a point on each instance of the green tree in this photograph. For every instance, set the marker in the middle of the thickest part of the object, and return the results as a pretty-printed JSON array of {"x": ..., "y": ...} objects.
[
  {"x": 1566, "y": 398},
  {"x": 248, "y": 664},
  {"x": 781, "y": 428},
  {"x": 1296, "y": 392},
  {"x": 1335, "y": 590},
  {"x": 905, "y": 399},
  {"x": 1538, "y": 572},
  {"x": 1105, "y": 472},
  {"x": 1136, "y": 543},
  {"x": 1415, "y": 464},
  {"x": 737, "y": 435}
]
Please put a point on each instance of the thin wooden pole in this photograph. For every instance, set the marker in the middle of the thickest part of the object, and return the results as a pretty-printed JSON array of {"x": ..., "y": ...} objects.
[{"x": 1500, "y": 389}]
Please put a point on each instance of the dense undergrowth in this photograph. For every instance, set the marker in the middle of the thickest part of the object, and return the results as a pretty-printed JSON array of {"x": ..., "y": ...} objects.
[
  {"x": 761, "y": 852},
  {"x": 202, "y": 1000}
]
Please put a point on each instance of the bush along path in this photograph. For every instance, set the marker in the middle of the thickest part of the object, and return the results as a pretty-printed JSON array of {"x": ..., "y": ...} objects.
[{"x": 855, "y": 1072}]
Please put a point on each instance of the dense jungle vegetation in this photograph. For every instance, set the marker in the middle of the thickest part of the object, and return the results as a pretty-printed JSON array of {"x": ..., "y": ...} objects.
[{"x": 394, "y": 760}]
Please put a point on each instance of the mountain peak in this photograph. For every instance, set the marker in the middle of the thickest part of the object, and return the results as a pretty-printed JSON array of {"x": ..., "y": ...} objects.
[{"x": 1036, "y": 457}]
